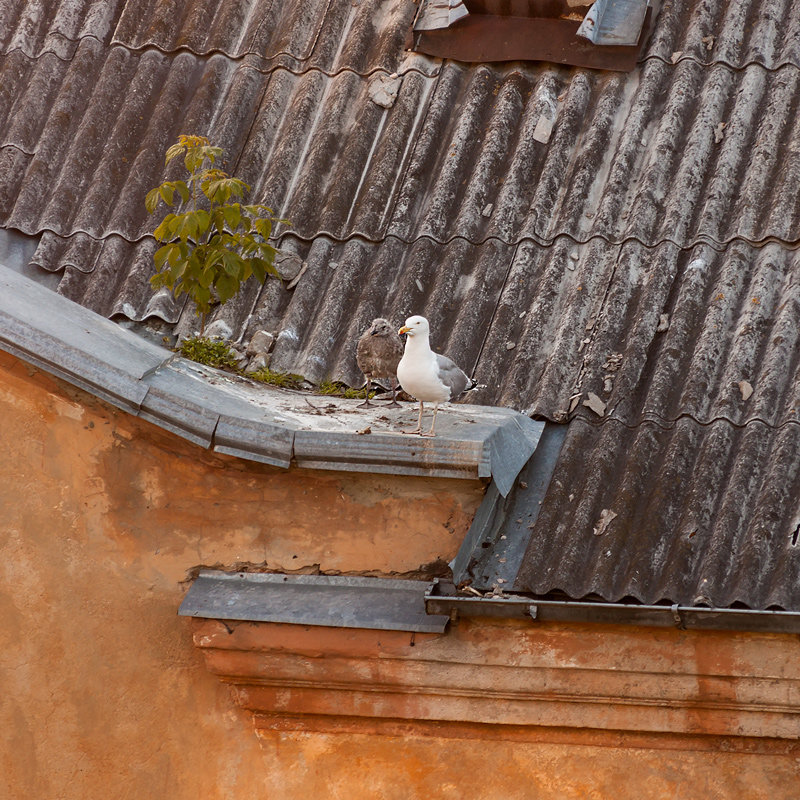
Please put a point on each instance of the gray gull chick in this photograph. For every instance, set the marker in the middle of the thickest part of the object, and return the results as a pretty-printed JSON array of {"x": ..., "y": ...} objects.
[
  {"x": 377, "y": 354},
  {"x": 428, "y": 376}
]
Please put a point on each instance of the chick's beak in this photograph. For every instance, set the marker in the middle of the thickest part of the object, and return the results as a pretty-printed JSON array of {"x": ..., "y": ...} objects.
[{"x": 404, "y": 329}]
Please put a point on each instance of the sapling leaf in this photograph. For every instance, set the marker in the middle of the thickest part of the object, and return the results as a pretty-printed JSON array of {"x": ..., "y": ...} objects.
[
  {"x": 259, "y": 268},
  {"x": 183, "y": 190},
  {"x": 202, "y": 296},
  {"x": 161, "y": 255},
  {"x": 218, "y": 216},
  {"x": 231, "y": 263},
  {"x": 207, "y": 277},
  {"x": 176, "y": 270},
  {"x": 203, "y": 222},
  {"x": 174, "y": 151},
  {"x": 167, "y": 191},
  {"x": 263, "y": 226},
  {"x": 151, "y": 199},
  {"x": 233, "y": 216},
  {"x": 179, "y": 252},
  {"x": 166, "y": 230},
  {"x": 226, "y": 287}
]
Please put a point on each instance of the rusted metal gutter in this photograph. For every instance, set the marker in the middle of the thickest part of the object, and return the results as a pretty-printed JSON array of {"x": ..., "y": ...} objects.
[{"x": 442, "y": 598}]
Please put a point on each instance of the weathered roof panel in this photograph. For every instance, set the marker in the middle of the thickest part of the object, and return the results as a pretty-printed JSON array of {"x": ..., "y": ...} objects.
[
  {"x": 765, "y": 32},
  {"x": 689, "y": 514},
  {"x": 37, "y": 28},
  {"x": 654, "y": 333},
  {"x": 534, "y": 153},
  {"x": 328, "y": 36}
]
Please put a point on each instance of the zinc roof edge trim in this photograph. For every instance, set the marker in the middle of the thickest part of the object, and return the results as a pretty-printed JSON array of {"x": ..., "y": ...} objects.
[
  {"x": 328, "y": 601},
  {"x": 150, "y": 388}
]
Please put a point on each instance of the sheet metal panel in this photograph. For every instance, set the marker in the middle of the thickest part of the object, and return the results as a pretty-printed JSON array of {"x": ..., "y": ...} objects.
[
  {"x": 614, "y": 22},
  {"x": 338, "y": 602},
  {"x": 471, "y": 442},
  {"x": 489, "y": 37},
  {"x": 494, "y": 547},
  {"x": 441, "y": 601}
]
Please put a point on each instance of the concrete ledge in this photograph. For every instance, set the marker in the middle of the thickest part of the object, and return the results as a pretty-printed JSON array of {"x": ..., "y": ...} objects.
[{"x": 234, "y": 415}]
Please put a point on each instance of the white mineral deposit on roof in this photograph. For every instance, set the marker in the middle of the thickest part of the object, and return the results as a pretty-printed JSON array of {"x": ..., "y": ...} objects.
[{"x": 307, "y": 411}]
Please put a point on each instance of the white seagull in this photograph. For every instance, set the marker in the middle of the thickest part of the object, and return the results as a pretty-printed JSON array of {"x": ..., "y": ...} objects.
[{"x": 425, "y": 375}]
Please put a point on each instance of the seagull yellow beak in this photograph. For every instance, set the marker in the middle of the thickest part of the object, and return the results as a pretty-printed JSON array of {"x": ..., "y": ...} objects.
[{"x": 404, "y": 329}]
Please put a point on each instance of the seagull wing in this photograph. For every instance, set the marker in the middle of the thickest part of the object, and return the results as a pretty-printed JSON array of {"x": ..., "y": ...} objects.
[{"x": 451, "y": 376}]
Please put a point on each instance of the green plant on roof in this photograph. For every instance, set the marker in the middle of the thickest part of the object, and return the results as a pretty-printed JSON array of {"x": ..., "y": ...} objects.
[
  {"x": 211, "y": 352},
  {"x": 214, "y": 243},
  {"x": 286, "y": 380},
  {"x": 336, "y": 389}
]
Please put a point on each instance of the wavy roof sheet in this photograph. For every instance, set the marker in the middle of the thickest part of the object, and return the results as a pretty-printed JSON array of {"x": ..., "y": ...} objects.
[
  {"x": 623, "y": 240},
  {"x": 689, "y": 514}
]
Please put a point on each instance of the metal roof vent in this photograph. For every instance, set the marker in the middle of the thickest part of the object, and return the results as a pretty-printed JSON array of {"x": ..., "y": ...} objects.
[{"x": 605, "y": 34}]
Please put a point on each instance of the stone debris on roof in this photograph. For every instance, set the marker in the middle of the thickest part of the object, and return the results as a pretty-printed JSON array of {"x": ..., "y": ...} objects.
[{"x": 625, "y": 240}]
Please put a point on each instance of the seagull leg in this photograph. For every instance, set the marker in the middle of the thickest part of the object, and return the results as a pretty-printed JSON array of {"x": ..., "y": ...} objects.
[
  {"x": 419, "y": 421},
  {"x": 366, "y": 403},
  {"x": 433, "y": 422},
  {"x": 394, "y": 403}
]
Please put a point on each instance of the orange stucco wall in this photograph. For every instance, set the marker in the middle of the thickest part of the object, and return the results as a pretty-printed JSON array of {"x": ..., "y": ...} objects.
[
  {"x": 103, "y": 694},
  {"x": 412, "y": 766}
]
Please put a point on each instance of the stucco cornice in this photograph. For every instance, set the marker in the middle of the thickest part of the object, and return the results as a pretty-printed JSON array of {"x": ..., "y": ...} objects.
[{"x": 509, "y": 675}]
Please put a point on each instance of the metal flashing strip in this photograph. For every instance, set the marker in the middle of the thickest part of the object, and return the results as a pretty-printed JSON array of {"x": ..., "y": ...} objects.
[
  {"x": 614, "y": 22},
  {"x": 493, "y": 549},
  {"x": 674, "y": 616},
  {"x": 328, "y": 601},
  {"x": 494, "y": 443},
  {"x": 73, "y": 343}
]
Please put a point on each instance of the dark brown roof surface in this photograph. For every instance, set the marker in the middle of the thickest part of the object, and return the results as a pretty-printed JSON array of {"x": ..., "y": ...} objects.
[{"x": 575, "y": 236}]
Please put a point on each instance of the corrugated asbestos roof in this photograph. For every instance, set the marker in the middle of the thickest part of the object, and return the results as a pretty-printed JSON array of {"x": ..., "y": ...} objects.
[{"x": 567, "y": 232}]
